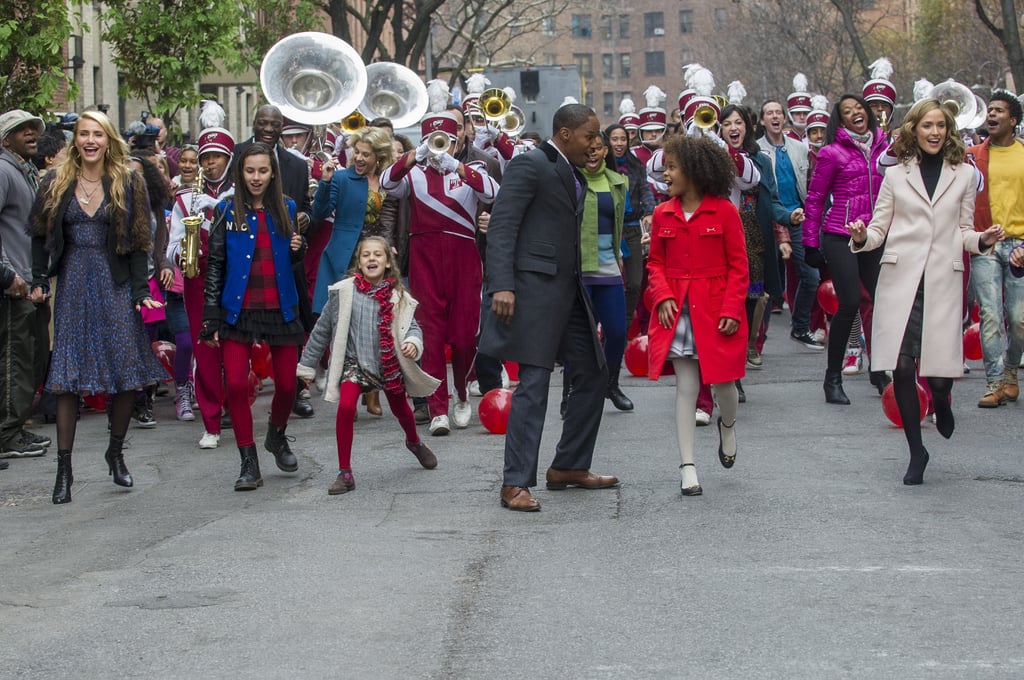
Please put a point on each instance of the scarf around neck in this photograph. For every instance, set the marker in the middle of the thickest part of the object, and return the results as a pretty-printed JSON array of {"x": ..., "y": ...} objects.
[{"x": 391, "y": 372}]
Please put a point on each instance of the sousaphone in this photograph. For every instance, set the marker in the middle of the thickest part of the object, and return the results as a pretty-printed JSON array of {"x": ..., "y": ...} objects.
[{"x": 394, "y": 92}]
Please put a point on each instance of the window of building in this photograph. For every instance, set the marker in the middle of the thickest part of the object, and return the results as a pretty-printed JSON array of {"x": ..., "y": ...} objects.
[
  {"x": 686, "y": 21},
  {"x": 654, "y": 24},
  {"x": 606, "y": 27},
  {"x": 609, "y": 104},
  {"x": 624, "y": 26},
  {"x": 625, "y": 65},
  {"x": 654, "y": 63},
  {"x": 686, "y": 56},
  {"x": 589, "y": 99},
  {"x": 608, "y": 65},
  {"x": 550, "y": 58},
  {"x": 547, "y": 26},
  {"x": 584, "y": 64},
  {"x": 581, "y": 26},
  {"x": 721, "y": 18}
]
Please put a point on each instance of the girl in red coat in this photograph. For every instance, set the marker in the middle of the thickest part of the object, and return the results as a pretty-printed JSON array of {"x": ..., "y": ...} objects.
[{"x": 698, "y": 283}]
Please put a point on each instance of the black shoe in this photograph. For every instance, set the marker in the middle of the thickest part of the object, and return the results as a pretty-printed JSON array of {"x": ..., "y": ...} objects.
[
  {"x": 225, "y": 420},
  {"x": 741, "y": 395},
  {"x": 880, "y": 379},
  {"x": 806, "y": 339},
  {"x": 915, "y": 471},
  {"x": 834, "y": 393},
  {"x": 142, "y": 412},
  {"x": 22, "y": 448},
  {"x": 249, "y": 477},
  {"x": 690, "y": 490},
  {"x": 277, "y": 444},
  {"x": 944, "y": 421},
  {"x": 613, "y": 393},
  {"x": 62, "y": 486},
  {"x": 726, "y": 461},
  {"x": 34, "y": 438},
  {"x": 302, "y": 406},
  {"x": 115, "y": 462},
  {"x": 421, "y": 414}
]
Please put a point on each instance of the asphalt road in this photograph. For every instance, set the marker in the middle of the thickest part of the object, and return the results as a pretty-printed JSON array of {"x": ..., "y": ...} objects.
[{"x": 808, "y": 559}]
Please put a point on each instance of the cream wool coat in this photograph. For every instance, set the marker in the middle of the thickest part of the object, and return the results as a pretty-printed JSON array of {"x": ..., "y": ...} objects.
[
  {"x": 922, "y": 237},
  {"x": 333, "y": 325}
]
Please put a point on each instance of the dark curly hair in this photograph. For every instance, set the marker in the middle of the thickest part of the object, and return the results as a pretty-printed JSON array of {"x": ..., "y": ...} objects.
[
  {"x": 705, "y": 163},
  {"x": 750, "y": 138},
  {"x": 835, "y": 121}
]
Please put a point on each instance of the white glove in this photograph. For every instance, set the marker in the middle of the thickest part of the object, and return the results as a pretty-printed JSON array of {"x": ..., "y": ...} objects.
[
  {"x": 204, "y": 202},
  {"x": 448, "y": 163},
  {"x": 693, "y": 131},
  {"x": 485, "y": 134},
  {"x": 422, "y": 152}
]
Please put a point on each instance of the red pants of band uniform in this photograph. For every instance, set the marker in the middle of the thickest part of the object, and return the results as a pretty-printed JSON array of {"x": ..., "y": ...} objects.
[
  {"x": 237, "y": 364},
  {"x": 445, "y": 276},
  {"x": 343, "y": 425},
  {"x": 208, "y": 378}
]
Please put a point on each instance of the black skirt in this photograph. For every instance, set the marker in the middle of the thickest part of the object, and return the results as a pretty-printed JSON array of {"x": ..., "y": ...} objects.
[
  {"x": 911, "y": 345},
  {"x": 264, "y": 325}
]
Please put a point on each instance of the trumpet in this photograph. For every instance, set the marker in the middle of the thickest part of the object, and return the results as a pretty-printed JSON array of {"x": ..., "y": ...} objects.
[
  {"x": 495, "y": 104},
  {"x": 353, "y": 121},
  {"x": 191, "y": 241},
  {"x": 439, "y": 142},
  {"x": 705, "y": 116}
]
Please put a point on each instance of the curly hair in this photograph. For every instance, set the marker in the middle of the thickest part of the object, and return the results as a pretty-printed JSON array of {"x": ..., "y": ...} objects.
[
  {"x": 905, "y": 147},
  {"x": 379, "y": 140},
  {"x": 391, "y": 265},
  {"x": 705, "y": 163},
  {"x": 835, "y": 120}
]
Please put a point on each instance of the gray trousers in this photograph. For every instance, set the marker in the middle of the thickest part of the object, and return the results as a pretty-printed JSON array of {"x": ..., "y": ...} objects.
[
  {"x": 589, "y": 377},
  {"x": 20, "y": 364}
]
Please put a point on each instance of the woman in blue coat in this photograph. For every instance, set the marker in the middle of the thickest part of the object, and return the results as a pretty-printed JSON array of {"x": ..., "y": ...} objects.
[{"x": 355, "y": 197}]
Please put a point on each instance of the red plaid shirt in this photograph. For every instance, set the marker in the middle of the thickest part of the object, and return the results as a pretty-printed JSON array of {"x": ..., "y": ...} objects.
[{"x": 261, "y": 291}]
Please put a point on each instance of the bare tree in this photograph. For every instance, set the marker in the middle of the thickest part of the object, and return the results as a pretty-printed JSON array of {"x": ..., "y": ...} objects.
[{"x": 1008, "y": 34}]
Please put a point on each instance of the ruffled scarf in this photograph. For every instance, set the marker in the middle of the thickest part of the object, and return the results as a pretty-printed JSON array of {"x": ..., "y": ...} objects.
[
  {"x": 862, "y": 142},
  {"x": 391, "y": 372}
]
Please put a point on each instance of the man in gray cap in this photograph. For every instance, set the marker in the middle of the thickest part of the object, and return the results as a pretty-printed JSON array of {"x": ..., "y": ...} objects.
[{"x": 24, "y": 340}]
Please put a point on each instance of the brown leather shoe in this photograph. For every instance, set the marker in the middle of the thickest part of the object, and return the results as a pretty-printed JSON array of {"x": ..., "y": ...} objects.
[
  {"x": 423, "y": 454},
  {"x": 343, "y": 484},
  {"x": 582, "y": 479},
  {"x": 1011, "y": 391},
  {"x": 372, "y": 401},
  {"x": 994, "y": 397},
  {"x": 519, "y": 498}
]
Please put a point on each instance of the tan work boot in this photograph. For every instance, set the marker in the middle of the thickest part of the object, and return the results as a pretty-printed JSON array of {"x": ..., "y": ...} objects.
[
  {"x": 1009, "y": 385},
  {"x": 994, "y": 397}
]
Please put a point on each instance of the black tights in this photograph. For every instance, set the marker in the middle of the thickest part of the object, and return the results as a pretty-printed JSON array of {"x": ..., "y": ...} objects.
[
  {"x": 121, "y": 405},
  {"x": 904, "y": 384},
  {"x": 848, "y": 270}
]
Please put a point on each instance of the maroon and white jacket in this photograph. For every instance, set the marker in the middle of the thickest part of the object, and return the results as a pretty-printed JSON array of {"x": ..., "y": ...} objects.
[{"x": 440, "y": 202}]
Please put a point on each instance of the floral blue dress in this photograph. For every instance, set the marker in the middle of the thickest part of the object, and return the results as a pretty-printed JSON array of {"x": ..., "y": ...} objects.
[{"x": 99, "y": 342}]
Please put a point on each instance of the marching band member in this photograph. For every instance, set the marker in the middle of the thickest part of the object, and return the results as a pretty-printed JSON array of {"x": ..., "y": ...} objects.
[
  {"x": 798, "y": 105},
  {"x": 880, "y": 93},
  {"x": 653, "y": 122},
  {"x": 445, "y": 271},
  {"x": 629, "y": 121},
  {"x": 817, "y": 121},
  {"x": 216, "y": 147}
]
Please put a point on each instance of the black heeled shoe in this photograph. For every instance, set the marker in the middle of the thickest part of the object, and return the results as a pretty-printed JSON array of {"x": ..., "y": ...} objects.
[
  {"x": 726, "y": 461},
  {"x": 115, "y": 462},
  {"x": 880, "y": 379},
  {"x": 944, "y": 421},
  {"x": 915, "y": 471},
  {"x": 740, "y": 394},
  {"x": 690, "y": 490},
  {"x": 62, "y": 487},
  {"x": 834, "y": 393}
]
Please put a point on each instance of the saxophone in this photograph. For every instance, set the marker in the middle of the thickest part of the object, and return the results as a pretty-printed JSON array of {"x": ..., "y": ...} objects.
[{"x": 193, "y": 223}]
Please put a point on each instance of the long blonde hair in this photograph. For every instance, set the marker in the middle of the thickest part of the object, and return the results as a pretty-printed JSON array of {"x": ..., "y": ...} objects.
[
  {"x": 115, "y": 166},
  {"x": 905, "y": 147},
  {"x": 379, "y": 140}
]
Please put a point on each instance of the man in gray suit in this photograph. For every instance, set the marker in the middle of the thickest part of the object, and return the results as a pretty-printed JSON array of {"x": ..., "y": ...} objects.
[{"x": 539, "y": 310}]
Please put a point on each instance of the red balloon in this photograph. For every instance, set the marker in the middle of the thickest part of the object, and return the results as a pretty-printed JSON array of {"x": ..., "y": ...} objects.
[
  {"x": 975, "y": 313},
  {"x": 254, "y": 387},
  {"x": 512, "y": 368},
  {"x": 97, "y": 402},
  {"x": 892, "y": 411},
  {"x": 972, "y": 342},
  {"x": 636, "y": 356},
  {"x": 827, "y": 297},
  {"x": 260, "y": 358},
  {"x": 494, "y": 409},
  {"x": 164, "y": 351}
]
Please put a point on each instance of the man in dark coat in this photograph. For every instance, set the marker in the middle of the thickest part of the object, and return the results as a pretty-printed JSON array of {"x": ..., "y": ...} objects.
[
  {"x": 539, "y": 310},
  {"x": 266, "y": 128}
]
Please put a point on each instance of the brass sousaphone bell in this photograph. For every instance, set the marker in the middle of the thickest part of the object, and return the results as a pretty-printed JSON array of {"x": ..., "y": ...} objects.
[
  {"x": 394, "y": 92},
  {"x": 961, "y": 98},
  {"x": 494, "y": 104}
]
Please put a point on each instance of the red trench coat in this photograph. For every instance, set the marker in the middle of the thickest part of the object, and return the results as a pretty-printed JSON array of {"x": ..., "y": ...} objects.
[{"x": 702, "y": 260}]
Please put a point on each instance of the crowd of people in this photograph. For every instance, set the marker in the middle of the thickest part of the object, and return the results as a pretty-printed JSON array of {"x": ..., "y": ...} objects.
[{"x": 366, "y": 262}]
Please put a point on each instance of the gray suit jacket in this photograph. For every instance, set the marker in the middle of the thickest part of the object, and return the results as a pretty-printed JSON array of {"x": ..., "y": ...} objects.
[{"x": 533, "y": 250}]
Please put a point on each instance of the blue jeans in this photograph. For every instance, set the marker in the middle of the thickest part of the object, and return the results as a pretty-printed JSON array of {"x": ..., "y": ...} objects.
[
  {"x": 1000, "y": 297},
  {"x": 807, "y": 289},
  {"x": 610, "y": 308}
]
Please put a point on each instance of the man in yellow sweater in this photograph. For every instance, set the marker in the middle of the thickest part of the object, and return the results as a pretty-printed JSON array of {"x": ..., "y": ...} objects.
[{"x": 1000, "y": 158}]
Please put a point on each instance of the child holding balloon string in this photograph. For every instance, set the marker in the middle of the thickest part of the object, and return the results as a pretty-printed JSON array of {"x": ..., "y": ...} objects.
[{"x": 374, "y": 339}]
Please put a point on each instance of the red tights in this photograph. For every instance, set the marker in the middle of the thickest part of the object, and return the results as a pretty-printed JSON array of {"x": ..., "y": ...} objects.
[
  {"x": 284, "y": 359},
  {"x": 343, "y": 427}
]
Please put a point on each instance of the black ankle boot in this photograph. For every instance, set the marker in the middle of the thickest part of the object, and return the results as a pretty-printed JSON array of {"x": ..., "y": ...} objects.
[
  {"x": 249, "y": 477},
  {"x": 62, "y": 487},
  {"x": 618, "y": 399},
  {"x": 834, "y": 393},
  {"x": 740, "y": 394},
  {"x": 277, "y": 444},
  {"x": 302, "y": 406},
  {"x": 115, "y": 462},
  {"x": 915, "y": 471},
  {"x": 944, "y": 421},
  {"x": 879, "y": 379}
]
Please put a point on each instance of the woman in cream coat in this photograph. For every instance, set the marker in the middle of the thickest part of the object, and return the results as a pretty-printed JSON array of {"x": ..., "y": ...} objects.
[{"x": 924, "y": 220}]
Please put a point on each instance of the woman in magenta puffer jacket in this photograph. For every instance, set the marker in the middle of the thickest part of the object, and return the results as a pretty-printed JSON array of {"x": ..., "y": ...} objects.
[{"x": 843, "y": 190}]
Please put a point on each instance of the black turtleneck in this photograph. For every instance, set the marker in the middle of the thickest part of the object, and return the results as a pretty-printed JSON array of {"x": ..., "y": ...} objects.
[{"x": 931, "y": 168}]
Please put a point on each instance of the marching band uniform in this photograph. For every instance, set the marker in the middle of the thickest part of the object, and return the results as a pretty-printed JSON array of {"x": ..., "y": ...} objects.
[
  {"x": 445, "y": 271},
  {"x": 798, "y": 102}
]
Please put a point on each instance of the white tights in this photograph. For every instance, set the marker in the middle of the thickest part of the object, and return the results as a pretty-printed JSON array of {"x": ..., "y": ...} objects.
[{"x": 687, "y": 387}]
